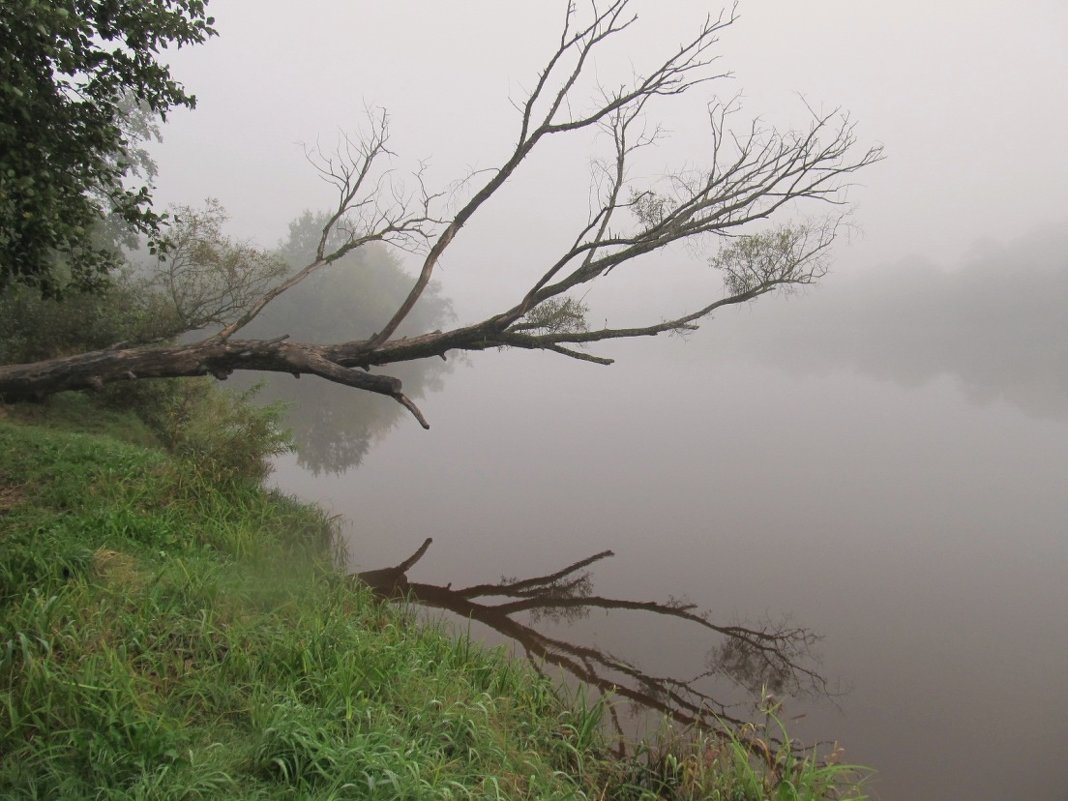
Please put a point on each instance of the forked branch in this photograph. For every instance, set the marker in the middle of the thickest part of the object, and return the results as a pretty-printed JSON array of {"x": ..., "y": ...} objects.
[{"x": 371, "y": 206}]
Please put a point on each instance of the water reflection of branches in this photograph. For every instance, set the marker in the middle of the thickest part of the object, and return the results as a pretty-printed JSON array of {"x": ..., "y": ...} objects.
[{"x": 772, "y": 655}]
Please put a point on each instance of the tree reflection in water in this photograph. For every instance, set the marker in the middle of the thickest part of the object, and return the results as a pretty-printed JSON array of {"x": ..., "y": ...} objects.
[{"x": 773, "y": 657}]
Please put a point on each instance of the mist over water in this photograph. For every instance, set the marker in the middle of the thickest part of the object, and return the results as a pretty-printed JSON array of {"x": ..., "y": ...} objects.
[
  {"x": 993, "y": 323},
  {"x": 880, "y": 460}
]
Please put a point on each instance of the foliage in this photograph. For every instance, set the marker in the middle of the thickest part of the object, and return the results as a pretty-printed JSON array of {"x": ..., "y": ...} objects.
[
  {"x": 651, "y": 208},
  {"x": 224, "y": 434},
  {"x": 33, "y": 327},
  {"x": 760, "y": 762},
  {"x": 83, "y": 82},
  {"x": 206, "y": 278},
  {"x": 221, "y": 436},
  {"x": 556, "y": 316},
  {"x": 788, "y": 256}
]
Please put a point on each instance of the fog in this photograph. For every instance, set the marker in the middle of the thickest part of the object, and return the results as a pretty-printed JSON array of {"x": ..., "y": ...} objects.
[
  {"x": 992, "y": 322},
  {"x": 880, "y": 457}
]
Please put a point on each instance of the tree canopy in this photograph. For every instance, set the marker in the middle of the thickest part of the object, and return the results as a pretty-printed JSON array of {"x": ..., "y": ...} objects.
[{"x": 83, "y": 83}]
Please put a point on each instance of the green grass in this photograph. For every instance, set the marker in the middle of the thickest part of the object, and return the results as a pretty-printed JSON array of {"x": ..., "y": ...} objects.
[
  {"x": 81, "y": 413},
  {"x": 164, "y": 637}
]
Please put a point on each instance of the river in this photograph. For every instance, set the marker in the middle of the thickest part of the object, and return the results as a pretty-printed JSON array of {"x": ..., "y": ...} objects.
[{"x": 883, "y": 462}]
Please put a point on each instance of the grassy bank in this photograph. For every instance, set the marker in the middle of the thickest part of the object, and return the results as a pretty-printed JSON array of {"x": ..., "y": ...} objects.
[{"x": 167, "y": 636}]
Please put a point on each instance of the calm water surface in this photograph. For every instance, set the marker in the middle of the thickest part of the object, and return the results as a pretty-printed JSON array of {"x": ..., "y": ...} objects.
[{"x": 918, "y": 524}]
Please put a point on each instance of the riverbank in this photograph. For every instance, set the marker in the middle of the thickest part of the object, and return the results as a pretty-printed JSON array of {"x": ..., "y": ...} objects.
[{"x": 168, "y": 636}]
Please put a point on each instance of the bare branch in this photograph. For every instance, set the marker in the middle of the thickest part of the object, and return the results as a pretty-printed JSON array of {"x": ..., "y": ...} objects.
[
  {"x": 312, "y": 362},
  {"x": 577, "y": 354},
  {"x": 681, "y": 71},
  {"x": 382, "y": 212},
  {"x": 512, "y": 587}
]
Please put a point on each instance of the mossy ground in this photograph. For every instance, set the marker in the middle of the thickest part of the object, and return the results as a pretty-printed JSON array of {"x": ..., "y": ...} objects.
[{"x": 166, "y": 637}]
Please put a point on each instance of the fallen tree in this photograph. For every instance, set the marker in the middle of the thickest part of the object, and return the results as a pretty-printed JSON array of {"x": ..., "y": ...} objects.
[{"x": 749, "y": 177}]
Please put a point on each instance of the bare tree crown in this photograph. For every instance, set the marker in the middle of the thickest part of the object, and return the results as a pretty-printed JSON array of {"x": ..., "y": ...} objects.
[{"x": 749, "y": 177}]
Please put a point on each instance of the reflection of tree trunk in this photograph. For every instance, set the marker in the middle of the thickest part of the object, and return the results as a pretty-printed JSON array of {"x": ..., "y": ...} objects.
[
  {"x": 391, "y": 582},
  {"x": 767, "y": 656}
]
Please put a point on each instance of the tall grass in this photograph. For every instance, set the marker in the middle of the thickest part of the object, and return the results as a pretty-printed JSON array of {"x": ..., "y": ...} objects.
[{"x": 758, "y": 763}]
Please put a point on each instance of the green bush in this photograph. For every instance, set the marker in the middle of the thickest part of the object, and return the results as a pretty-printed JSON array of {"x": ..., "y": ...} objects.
[
  {"x": 33, "y": 328},
  {"x": 223, "y": 434}
]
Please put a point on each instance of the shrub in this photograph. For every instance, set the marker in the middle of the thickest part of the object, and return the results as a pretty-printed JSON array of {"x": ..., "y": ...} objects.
[
  {"x": 225, "y": 435},
  {"x": 34, "y": 328}
]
